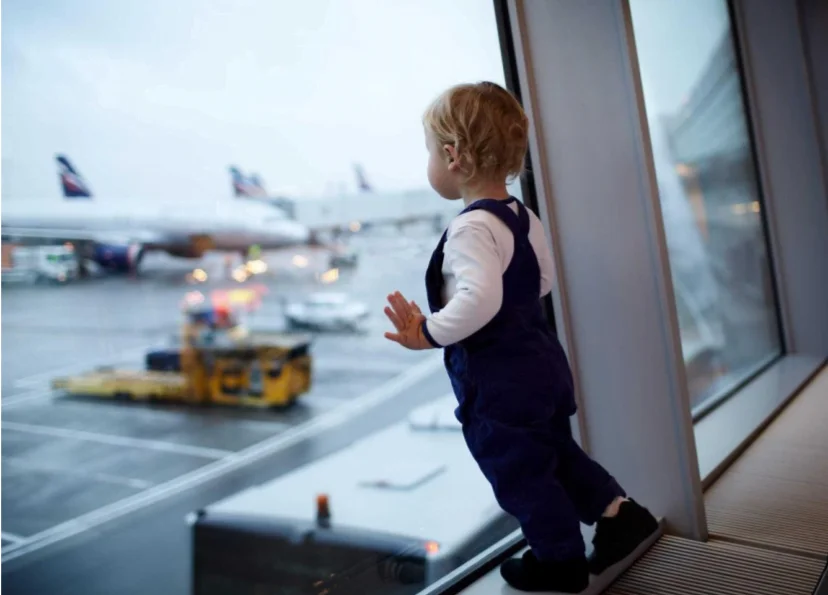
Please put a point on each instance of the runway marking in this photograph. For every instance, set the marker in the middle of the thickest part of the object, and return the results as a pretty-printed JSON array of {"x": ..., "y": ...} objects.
[
  {"x": 12, "y": 537},
  {"x": 9, "y": 403},
  {"x": 36, "y": 380},
  {"x": 137, "y": 409},
  {"x": 34, "y": 383},
  {"x": 271, "y": 425},
  {"x": 131, "y": 482},
  {"x": 112, "y": 440},
  {"x": 313, "y": 427}
]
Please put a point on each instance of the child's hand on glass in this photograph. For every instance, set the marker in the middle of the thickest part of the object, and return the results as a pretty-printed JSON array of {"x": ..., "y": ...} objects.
[{"x": 408, "y": 320}]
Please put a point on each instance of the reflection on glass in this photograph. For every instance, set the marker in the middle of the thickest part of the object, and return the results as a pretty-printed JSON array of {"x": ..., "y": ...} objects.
[
  {"x": 708, "y": 189},
  {"x": 211, "y": 199}
]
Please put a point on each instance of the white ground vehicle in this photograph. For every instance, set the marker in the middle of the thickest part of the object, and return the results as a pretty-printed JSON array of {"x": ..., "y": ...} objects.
[
  {"x": 326, "y": 311},
  {"x": 406, "y": 506},
  {"x": 57, "y": 264},
  {"x": 343, "y": 257}
]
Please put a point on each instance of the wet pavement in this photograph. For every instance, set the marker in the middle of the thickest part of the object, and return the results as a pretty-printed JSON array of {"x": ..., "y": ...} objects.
[{"x": 82, "y": 475}]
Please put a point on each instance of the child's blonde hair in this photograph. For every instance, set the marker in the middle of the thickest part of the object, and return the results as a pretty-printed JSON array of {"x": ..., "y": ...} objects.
[{"x": 486, "y": 126}]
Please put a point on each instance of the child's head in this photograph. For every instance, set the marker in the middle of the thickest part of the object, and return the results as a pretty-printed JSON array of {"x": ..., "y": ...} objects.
[{"x": 477, "y": 136}]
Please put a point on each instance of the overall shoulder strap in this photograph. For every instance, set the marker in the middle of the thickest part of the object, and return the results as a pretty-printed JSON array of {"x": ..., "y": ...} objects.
[{"x": 518, "y": 223}]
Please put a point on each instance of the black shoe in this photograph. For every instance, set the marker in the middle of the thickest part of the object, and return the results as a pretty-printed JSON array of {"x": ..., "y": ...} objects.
[
  {"x": 530, "y": 574},
  {"x": 617, "y": 537}
]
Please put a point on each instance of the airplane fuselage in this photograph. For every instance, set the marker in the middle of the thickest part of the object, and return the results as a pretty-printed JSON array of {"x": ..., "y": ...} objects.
[{"x": 229, "y": 226}]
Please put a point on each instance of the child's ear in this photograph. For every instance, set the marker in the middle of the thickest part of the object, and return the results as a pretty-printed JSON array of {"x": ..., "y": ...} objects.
[{"x": 452, "y": 157}]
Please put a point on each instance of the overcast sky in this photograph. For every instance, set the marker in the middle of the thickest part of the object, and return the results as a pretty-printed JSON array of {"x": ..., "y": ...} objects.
[
  {"x": 157, "y": 97},
  {"x": 153, "y": 99}
]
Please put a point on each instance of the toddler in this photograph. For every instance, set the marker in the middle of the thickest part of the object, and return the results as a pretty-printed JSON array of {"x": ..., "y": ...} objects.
[{"x": 509, "y": 373}]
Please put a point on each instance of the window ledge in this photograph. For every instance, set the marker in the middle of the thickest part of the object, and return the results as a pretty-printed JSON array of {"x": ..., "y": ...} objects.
[
  {"x": 492, "y": 582},
  {"x": 724, "y": 433}
]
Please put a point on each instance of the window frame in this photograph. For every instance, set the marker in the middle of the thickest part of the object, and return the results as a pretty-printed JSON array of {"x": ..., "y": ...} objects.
[
  {"x": 772, "y": 91},
  {"x": 739, "y": 412},
  {"x": 512, "y": 80},
  {"x": 712, "y": 403}
]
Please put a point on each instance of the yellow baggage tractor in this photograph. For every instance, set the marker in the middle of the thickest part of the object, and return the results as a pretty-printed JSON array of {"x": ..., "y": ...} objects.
[
  {"x": 223, "y": 365},
  {"x": 260, "y": 371},
  {"x": 138, "y": 384}
]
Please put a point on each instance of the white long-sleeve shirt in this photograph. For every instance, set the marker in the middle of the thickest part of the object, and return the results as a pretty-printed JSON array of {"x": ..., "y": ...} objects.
[{"x": 478, "y": 250}]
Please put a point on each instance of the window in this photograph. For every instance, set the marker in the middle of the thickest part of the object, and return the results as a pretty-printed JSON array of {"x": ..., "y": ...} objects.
[
  {"x": 229, "y": 176},
  {"x": 709, "y": 193}
]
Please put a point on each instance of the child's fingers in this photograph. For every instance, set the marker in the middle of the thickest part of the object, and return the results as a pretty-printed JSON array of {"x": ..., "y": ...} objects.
[
  {"x": 405, "y": 305},
  {"x": 394, "y": 337},
  {"x": 394, "y": 300},
  {"x": 395, "y": 305},
  {"x": 389, "y": 313},
  {"x": 401, "y": 307},
  {"x": 393, "y": 318},
  {"x": 416, "y": 309}
]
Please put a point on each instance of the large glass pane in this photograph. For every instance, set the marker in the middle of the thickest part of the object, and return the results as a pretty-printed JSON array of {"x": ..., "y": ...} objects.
[
  {"x": 709, "y": 192},
  {"x": 197, "y": 194}
]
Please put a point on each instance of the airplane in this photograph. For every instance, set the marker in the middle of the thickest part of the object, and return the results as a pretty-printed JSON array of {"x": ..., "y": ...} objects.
[
  {"x": 116, "y": 236},
  {"x": 347, "y": 213}
]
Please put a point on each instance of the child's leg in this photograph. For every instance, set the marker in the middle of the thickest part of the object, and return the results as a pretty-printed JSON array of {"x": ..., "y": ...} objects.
[
  {"x": 589, "y": 486},
  {"x": 521, "y": 467},
  {"x": 591, "y": 489},
  {"x": 542, "y": 477},
  {"x": 520, "y": 463}
]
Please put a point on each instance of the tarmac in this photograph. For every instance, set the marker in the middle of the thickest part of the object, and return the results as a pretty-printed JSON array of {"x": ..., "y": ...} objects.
[{"x": 95, "y": 492}]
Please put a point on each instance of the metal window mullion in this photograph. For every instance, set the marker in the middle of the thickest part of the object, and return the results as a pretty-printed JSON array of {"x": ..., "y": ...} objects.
[{"x": 597, "y": 194}]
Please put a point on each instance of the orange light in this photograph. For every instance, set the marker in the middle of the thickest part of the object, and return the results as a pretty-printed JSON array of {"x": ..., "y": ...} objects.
[
  {"x": 432, "y": 547},
  {"x": 323, "y": 511}
]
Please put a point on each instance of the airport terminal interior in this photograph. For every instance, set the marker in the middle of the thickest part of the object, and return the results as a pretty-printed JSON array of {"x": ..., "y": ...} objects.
[{"x": 206, "y": 204}]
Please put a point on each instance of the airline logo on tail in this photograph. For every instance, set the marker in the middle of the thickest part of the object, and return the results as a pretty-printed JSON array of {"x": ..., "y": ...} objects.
[
  {"x": 251, "y": 185},
  {"x": 73, "y": 184},
  {"x": 362, "y": 181}
]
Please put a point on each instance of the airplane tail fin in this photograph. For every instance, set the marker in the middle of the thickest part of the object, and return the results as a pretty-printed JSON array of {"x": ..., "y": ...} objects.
[
  {"x": 362, "y": 181},
  {"x": 238, "y": 181},
  {"x": 246, "y": 185},
  {"x": 72, "y": 183},
  {"x": 258, "y": 184}
]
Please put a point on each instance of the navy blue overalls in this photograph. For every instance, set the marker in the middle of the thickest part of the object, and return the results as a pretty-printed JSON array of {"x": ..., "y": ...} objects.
[{"x": 515, "y": 396}]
